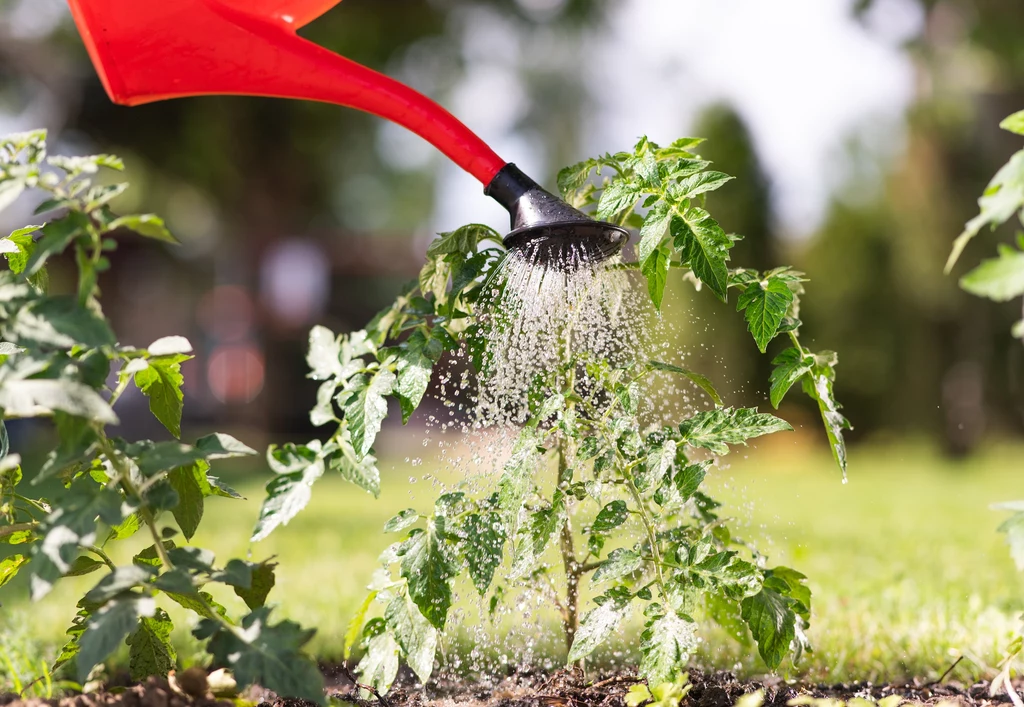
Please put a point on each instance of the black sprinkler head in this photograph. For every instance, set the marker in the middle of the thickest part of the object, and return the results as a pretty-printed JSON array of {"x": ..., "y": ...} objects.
[{"x": 548, "y": 229}]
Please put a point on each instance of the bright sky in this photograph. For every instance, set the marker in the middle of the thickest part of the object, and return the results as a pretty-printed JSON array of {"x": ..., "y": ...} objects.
[{"x": 802, "y": 73}]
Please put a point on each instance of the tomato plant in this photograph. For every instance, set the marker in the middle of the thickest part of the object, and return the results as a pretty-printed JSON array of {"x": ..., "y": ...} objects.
[
  {"x": 60, "y": 359},
  {"x": 619, "y": 498}
]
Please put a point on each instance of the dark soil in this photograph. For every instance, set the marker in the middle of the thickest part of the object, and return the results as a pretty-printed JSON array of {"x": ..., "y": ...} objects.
[{"x": 561, "y": 689}]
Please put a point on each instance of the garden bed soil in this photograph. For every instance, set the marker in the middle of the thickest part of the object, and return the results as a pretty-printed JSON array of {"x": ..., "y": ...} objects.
[{"x": 561, "y": 689}]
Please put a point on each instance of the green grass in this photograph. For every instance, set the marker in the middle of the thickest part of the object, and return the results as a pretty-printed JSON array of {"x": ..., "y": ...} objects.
[{"x": 906, "y": 566}]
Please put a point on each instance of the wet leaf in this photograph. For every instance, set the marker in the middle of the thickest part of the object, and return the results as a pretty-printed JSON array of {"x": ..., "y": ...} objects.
[
  {"x": 366, "y": 408},
  {"x": 484, "y": 547},
  {"x": 716, "y": 429},
  {"x": 611, "y": 516},
  {"x": 151, "y": 652},
  {"x": 416, "y": 637},
  {"x": 355, "y": 625},
  {"x": 790, "y": 366},
  {"x": 656, "y": 268},
  {"x": 765, "y": 305},
  {"x": 108, "y": 627},
  {"x": 361, "y": 472},
  {"x": 665, "y": 647},
  {"x": 702, "y": 382},
  {"x": 772, "y": 622},
  {"x": 428, "y": 570},
  {"x": 818, "y": 385},
  {"x": 619, "y": 563},
  {"x": 379, "y": 665},
  {"x": 705, "y": 248},
  {"x": 289, "y": 492},
  {"x": 596, "y": 627}
]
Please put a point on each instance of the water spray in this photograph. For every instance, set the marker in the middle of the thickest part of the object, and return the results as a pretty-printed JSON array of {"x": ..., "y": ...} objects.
[{"x": 151, "y": 51}]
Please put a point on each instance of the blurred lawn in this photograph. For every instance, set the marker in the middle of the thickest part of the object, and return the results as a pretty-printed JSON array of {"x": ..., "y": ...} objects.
[{"x": 904, "y": 561}]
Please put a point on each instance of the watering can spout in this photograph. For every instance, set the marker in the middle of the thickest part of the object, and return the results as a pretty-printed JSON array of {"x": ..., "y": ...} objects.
[
  {"x": 148, "y": 51},
  {"x": 151, "y": 50}
]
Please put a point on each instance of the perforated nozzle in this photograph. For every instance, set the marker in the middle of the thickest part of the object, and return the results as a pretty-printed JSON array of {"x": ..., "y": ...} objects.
[{"x": 547, "y": 228}]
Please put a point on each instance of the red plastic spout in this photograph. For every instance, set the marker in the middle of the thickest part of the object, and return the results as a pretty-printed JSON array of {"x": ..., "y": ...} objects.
[{"x": 151, "y": 50}]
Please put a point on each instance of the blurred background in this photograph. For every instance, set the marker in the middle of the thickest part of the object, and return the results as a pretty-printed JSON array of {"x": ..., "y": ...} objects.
[{"x": 861, "y": 132}]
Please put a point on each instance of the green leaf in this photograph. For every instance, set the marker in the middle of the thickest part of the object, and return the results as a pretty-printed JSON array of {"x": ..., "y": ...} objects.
[
  {"x": 288, "y": 493},
  {"x": 403, "y": 520},
  {"x": 379, "y": 665},
  {"x": 1003, "y": 197},
  {"x": 324, "y": 354},
  {"x": 416, "y": 358},
  {"x": 716, "y": 429},
  {"x": 463, "y": 240},
  {"x": 765, "y": 305},
  {"x": 484, "y": 547},
  {"x": 263, "y": 580},
  {"x": 9, "y": 567},
  {"x": 818, "y": 385},
  {"x": 517, "y": 476},
  {"x": 1014, "y": 123},
  {"x": 108, "y": 627},
  {"x": 705, "y": 248},
  {"x": 1000, "y": 279},
  {"x": 619, "y": 563},
  {"x": 10, "y": 190},
  {"x": 366, "y": 408},
  {"x": 222, "y": 446},
  {"x": 361, "y": 472},
  {"x": 151, "y": 652},
  {"x": 655, "y": 268},
  {"x": 161, "y": 382},
  {"x": 117, "y": 581},
  {"x": 597, "y": 627},
  {"x": 690, "y": 477},
  {"x": 429, "y": 571},
  {"x": 416, "y": 637},
  {"x": 533, "y": 540},
  {"x": 57, "y": 236},
  {"x": 71, "y": 524},
  {"x": 611, "y": 516},
  {"x": 268, "y": 655},
  {"x": 702, "y": 382},
  {"x": 148, "y": 225},
  {"x": 665, "y": 647},
  {"x": 660, "y": 461},
  {"x": 76, "y": 444},
  {"x": 59, "y": 322},
  {"x": 618, "y": 196},
  {"x": 772, "y": 622},
  {"x": 355, "y": 625},
  {"x": 24, "y": 245},
  {"x": 189, "y": 482},
  {"x": 700, "y": 183},
  {"x": 790, "y": 366}
]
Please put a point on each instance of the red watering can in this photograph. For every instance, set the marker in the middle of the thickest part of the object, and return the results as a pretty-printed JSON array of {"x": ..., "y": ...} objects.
[{"x": 151, "y": 50}]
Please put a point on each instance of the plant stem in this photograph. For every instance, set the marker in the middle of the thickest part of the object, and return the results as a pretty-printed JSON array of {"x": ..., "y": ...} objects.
[
  {"x": 100, "y": 554},
  {"x": 651, "y": 535},
  {"x": 17, "y": 528}
]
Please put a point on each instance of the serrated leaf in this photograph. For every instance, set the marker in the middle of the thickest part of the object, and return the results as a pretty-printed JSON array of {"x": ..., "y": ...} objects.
[
  {"x": 366, "y": 408},
  {"x": 262, "y": 581},
  {"x": 148, "y": 225},
  {"x": 765, "y": 305},
  {"x": 702, "y": 381},
  {"x": 619, "y": 563},
  {"x": 790, "y": 366},
  {"x": 1000, "y": 279},
  {"x": 611, "y": 516},
  {"x": 287, "y": 494},
  {"x": 59, "y": 322},
  {"x": 665, "y": 647},
  {"x": 705, "y": 248},
  {"x": 416, "y": 637},
  {"x": 268, "y": 655},
  {"x": 656, "y": 268},
  {"x": 355, "y": 624},
  {"x": 484, "y": 546},
  {"x": 57, "y": 236},
  {"x": 25, "y": 244},
  {"x": 690, "y": 477},
  {"x": 818, "y": 385},
  {"x": 107, "y": 628},
  {"x": 324, "y": 354},
  {"x": 700, "y": 183},
  {"x": 618, "y": 196},
  {"x": 361, "y": 472},
  {"x": 117, "y": 581},
  {"x": 428, "y": 570},
  {"x": 1003, "y": 197},
  {"x": 9, "y": 567},
  {"x": 596, "y": 627},
  {"x": 534, "y": 539},
  {"x": 772, "y": 622},
  {"x": 71, "y": 525},
  {"x": 654, "y": 230},
  {"x": 222, "y": 446},
  {"x": 463, "y": 240},
  {"x": 517, "y": 476},
  {"x": 189, "y": 483},
  {"x": 150, "y": 650},
  {"x": 379, "y": 665},
  {"x": 161, "y": 383},
  {"x": 401, "y": 521},
  {"x": 660, "y": 462},
  {"x": 415, "y": 366},
  {"x": 716, "y": 429}
]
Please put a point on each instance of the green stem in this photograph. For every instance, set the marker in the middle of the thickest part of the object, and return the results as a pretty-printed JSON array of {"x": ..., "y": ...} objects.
[
  {"x": 100, "y": 554},
  {"x": 651, "y": 535}
]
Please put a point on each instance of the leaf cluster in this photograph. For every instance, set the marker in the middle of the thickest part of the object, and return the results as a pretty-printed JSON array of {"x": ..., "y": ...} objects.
[{"x": 60, "y": 359}]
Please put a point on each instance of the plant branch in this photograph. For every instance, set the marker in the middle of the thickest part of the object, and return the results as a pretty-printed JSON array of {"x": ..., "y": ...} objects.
[
  {"x": 17, "y": 528},
  {"x": 100, "y": 554}
]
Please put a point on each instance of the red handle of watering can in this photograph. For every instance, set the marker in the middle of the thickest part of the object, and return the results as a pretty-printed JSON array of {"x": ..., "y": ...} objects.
[{"x": 151, "y": 50}]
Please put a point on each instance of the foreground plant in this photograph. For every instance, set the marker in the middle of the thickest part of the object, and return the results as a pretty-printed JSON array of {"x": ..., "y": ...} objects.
[
  {"x": 617, "y": 498},
  {"x": 57, "y": 354}
]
